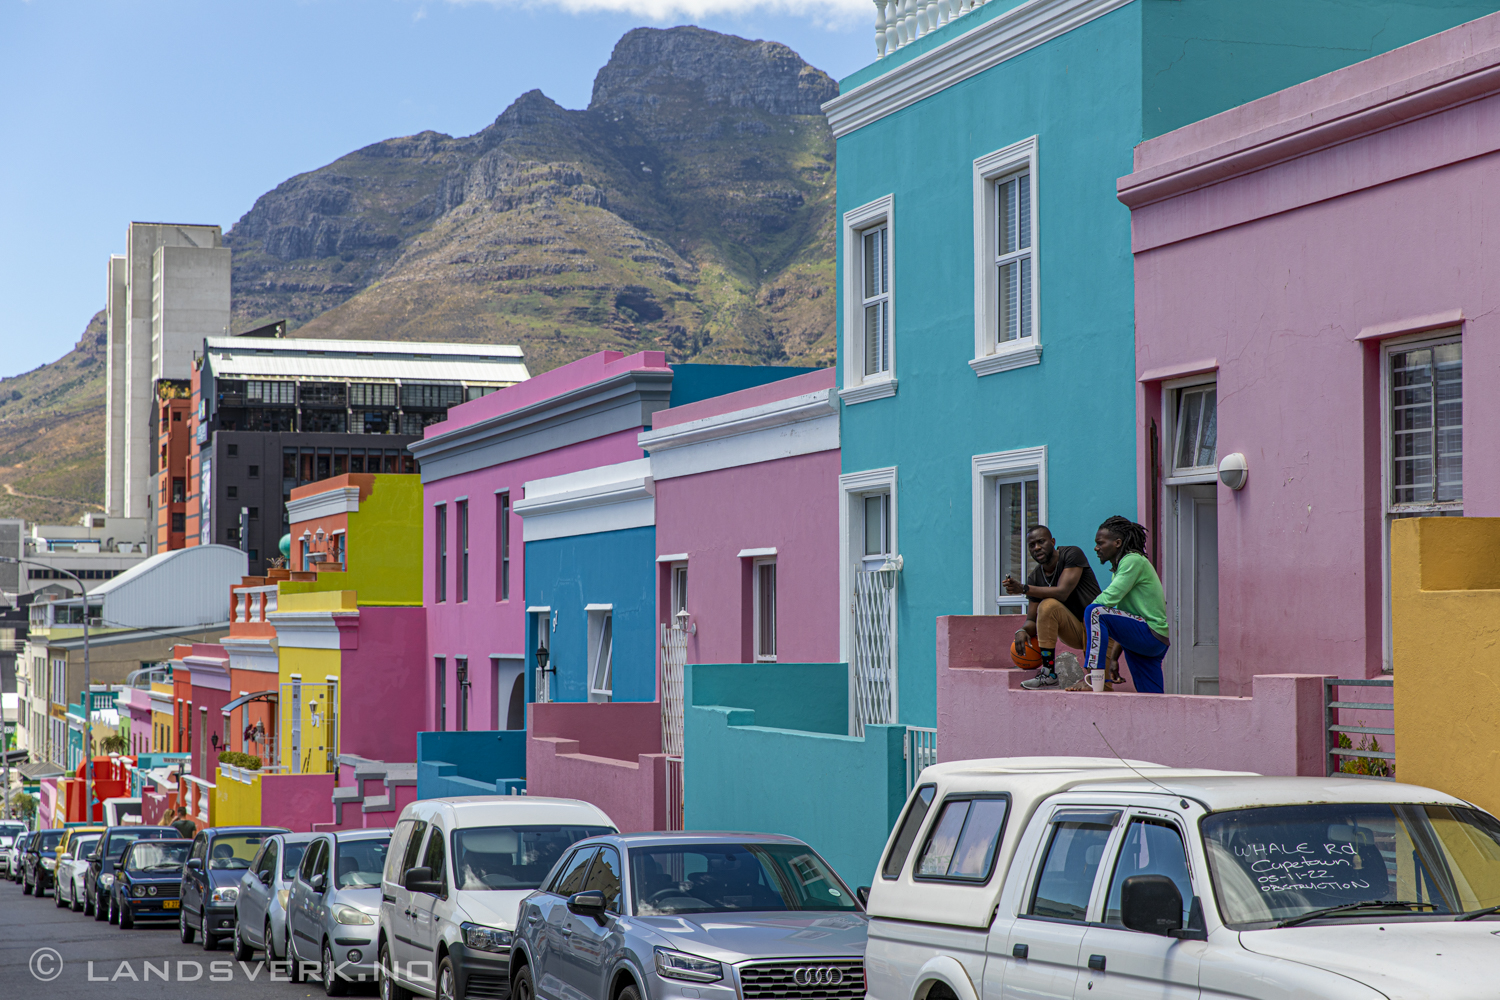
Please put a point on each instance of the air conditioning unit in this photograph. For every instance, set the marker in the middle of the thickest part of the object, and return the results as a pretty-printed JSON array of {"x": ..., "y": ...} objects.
[{"x": 96, "y": 623}]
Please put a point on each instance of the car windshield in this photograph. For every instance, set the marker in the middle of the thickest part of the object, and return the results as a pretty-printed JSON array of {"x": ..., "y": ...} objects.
[
  {"x": 1279, "y": 863},
  {"x": 233, "y": 851},
  {"x": 512, "y": 857},
  {"x": 168, "y": 855},
  {"x": 291, "y": 857},
  {"x": 119, "y": 840},
  {"x": 361, "y": 862},
  {"x": 711, "y": 878},
  {"x": 48, "y": 840}
]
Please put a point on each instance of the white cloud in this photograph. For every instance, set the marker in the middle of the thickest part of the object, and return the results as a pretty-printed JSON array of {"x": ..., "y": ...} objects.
[{"x": 829, "y": 12}]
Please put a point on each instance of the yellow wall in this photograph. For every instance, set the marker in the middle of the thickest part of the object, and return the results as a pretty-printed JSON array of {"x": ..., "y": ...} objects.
[
  {"x": 384, "y": 539},
  {"x": 236, "y": 803},
  {"x": 314, "y": 666},
  {"x": 1445, "y": 645}
]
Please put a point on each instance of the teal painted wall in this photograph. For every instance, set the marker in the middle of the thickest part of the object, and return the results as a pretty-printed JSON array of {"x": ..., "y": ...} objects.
[
  {"x": 836, "y": 793},
  {"x": 606, "y": 567},
  {"x": 477, "y": 762},
  {"x": 1083, "y": 95},
  {"x": 1201, "y": 57}
]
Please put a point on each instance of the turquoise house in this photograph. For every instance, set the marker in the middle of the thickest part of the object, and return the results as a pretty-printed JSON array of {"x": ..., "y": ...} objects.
[{"x": 987, "y": 362}]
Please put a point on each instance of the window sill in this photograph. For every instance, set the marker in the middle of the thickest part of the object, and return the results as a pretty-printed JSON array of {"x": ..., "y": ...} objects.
[
  {"x": 1189, "y": 479},
  {"x": 1006, "y": 359},
  {"x": 878, "y": 389}
]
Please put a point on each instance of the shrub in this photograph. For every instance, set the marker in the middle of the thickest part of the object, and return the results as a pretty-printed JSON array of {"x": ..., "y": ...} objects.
[
  {"x": 1374, "y": 766},
  {"x": 234, "y": 758}
]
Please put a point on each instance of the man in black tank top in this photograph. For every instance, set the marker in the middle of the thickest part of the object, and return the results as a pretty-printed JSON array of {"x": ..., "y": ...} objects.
[{"x": 1058, "y": 588}]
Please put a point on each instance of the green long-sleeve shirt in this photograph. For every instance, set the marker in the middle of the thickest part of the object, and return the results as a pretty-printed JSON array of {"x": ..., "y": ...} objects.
[{"x": 1137, "y": 589}]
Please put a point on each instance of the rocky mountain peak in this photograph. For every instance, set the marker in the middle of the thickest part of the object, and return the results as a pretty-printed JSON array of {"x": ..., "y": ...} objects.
[{"x": 649, "y": 64}]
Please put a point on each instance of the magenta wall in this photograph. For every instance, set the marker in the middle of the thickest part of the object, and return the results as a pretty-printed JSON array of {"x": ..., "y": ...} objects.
[
  {"x": 383, "y": 686},
  {"x": 1273, "y": 275},
  {"x": 296, "y": 801},
  {"x": 487, "y": 626},
  {"x": 605, "y": 753}
]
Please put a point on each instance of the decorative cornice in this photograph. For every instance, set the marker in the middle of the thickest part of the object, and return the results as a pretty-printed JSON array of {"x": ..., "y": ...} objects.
[
  {"x": 1375, "y": 110},
  {"x": 343, "y": 500},
  {"x": 610, "y": 498},
  {"x": 985, "y": 46},
  {"x": 1004, "y": 361},
  {"x": 808, "y": 406},
  {"x": 628, "y": 400},
  {"x": 612, "y": 493},
  {"x": 866, "y": 391},
  {"x": 316, "y": 629}
]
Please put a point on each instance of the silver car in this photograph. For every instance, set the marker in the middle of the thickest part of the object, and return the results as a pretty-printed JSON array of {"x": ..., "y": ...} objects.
[
  {"x": 711, "y": 916},
  {"x": 334, "y": 907},
  {"x": 260, "y": 911},
  {"x": 10, "y": 832}
]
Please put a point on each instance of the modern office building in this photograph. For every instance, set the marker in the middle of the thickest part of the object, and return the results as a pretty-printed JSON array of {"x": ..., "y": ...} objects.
[
  {"x": 266, "y": 415},
  {"x": 168, "y": 291}
]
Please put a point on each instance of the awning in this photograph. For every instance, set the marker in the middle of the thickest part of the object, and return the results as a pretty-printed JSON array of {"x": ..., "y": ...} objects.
[
  {"x": 40, "y": 769},
  {"x": 248, "y": 697}
]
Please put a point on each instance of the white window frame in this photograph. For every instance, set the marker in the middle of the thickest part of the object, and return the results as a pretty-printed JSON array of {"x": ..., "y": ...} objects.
[
  {"x": 991, "y": 356},
  {"x": 1171, "y": 391},
  {"x": 853, "y": 488},
  {"x": 758, "y": 609},
  {"x": 601, "y": 652},
  {"x": 858, "y": 387},
  {"x": 677, "y": 579},
  {"x": 986, "y": 473},
  {"x": 1429, "y": 338}
]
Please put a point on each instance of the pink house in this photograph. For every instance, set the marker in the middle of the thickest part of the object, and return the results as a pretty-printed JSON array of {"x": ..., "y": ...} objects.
[{"x": 1315, "y": 273}]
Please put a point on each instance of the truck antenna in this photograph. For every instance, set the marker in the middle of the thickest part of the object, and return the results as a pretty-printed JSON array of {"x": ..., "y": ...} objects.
[{"x": 1127, "y": 763}]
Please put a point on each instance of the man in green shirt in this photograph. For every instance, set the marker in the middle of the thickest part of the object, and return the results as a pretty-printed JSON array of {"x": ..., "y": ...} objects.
[{"x": 1132, "y": 610}]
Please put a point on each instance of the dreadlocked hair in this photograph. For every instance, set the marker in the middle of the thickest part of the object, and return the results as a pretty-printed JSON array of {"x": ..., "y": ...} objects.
[{"x": 1132, "y": 536}]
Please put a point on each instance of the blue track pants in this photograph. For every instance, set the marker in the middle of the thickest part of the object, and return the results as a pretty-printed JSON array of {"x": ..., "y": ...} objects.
[{"x": 1143, "y": 649}]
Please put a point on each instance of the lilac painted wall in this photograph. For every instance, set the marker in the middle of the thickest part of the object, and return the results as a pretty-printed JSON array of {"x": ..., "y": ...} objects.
[
  {"x": 608, "y": 754},
  {"x": 487, "y": 626},
  {"x": 789, "y": 504},
  {"x": 1279, "y": 243},
  {"x": 296, "y": 801},
  {"x": 383, "y": 685}
]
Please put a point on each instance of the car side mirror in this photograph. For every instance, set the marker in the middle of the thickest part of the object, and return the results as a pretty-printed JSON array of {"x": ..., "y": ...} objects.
[
  {"x": 264, "y": 876},
  {"x": 1151, "y": 903},
  {"x": 95, "y": 856},
  {"x": 421, "y": 880},
  {"x": 319, "y": 882},
  {"x": 589, "y": 903},
  {"x": 64, "y": 856},
  {"x": 195, "y": 864},
  {"x": 1196, "y": 929},
  {"x": 863, "y": 895}
]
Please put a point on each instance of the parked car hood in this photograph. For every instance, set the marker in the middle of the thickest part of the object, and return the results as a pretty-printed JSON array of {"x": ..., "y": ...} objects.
[
  {"x": 361, "y": 899},
  {"x": 492, "y": 907},
  {"x": 143, "y": 878},
  {"x": 1405, "y": 960},
  {"x": 220, "y": 877},
  {"x": 738, "y": 937}
]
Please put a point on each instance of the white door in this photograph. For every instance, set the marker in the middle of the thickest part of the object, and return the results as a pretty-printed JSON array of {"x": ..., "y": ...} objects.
[{"x": 1192, "y": 585}]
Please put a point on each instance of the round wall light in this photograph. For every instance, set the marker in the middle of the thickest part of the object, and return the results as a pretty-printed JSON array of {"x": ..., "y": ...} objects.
[{"x": 1233, "y": 471}]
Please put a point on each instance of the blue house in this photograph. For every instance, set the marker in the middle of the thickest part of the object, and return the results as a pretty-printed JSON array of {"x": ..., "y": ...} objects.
[{"x": 986, "y": 299}]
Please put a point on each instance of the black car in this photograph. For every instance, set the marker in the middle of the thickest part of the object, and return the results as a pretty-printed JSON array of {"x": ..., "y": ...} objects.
[
  {"x": 40, "y": 861},
  {"x": 210, "y": 880},
  {"x": 148, "y": 880},
  {"x": 101, "y": 871}
]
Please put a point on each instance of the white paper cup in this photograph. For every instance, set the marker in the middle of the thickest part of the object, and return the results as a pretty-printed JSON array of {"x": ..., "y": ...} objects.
[{"x": 1096, "y": 681}]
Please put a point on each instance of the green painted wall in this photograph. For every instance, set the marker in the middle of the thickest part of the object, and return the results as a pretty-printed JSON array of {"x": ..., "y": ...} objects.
[
  {"x": 385, "y": 548},
  {"x": 839, "y": 794}
]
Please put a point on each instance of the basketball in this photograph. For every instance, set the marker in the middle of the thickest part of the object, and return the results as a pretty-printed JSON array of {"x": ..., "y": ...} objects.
[{"x": 1029, "y": 658}]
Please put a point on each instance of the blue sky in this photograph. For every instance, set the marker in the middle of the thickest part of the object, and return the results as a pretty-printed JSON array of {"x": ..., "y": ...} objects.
[{"x": 177, "y": 111}]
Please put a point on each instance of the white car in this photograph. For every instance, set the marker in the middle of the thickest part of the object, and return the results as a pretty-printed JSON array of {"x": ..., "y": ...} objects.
[
  {"x": 68, "y": 888},
  {"x": 10, "y": 832},
  {"x": 455, "y": 874},
  {"x": 1080, "y": 877}
]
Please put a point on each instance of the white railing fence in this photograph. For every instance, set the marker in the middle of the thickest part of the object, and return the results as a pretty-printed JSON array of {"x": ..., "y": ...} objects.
[
  {"x": 874, "y": 659},
  {"x": 673, "y": 664},
  {"x": 921, "y": 751},
  {"x": 901, "y": 22},
  {"x": 675, "y": 798}
]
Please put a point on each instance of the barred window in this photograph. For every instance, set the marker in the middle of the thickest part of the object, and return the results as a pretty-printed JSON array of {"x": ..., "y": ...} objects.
[
  {"x": 276, "y": 393},
  {"x": 372, "y": 394}
]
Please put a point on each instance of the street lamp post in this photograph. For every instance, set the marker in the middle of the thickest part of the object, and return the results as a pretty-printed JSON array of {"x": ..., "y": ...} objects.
[{"x": 88, "y": 692}]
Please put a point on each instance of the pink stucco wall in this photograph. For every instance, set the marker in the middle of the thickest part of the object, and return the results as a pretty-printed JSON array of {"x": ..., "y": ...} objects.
[
  {"x": 789, "y": 504},
  {"x": 1278, "y": 243},
  {"x": 486, "y": 626},
  {"x": 605, "y": 753},
  {"x": 383, "y": 685},
  {"x": 984, "y": 712},
  {"x": 296, "y": 801}
]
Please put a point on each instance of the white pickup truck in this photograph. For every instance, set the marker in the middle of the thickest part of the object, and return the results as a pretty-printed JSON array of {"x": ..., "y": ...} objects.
[{"x": 1050, "y": 877}]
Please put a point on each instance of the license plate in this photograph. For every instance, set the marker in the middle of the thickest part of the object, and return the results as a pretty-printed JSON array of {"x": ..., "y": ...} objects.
[{"x": 169, "y": 904}]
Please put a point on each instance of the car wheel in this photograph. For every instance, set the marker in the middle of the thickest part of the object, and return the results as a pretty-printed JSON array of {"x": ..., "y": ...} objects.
[
  {"x": 333, "y": 984},
  {"x": 210, "y": 942},
  {"x": 242, "y": 951},
  {"x": 57, "y": 896},
  {"x": 25, "y": 886},
  {"x": 77, "y": 903},
  {"x": 127, "y": 916},
  {"x": 629, "y": 993},
  {"x": 292, "y": 961},
  {"x": 184, "y": 932},
  {"x": 270, "y": 942},
  {"x": 523, "y": 988},
  {"x": 91, "y": 906},
  {"x": 447, "y": 980},
  {"x": 114, "y": 909},
  {"x": 389, "y": 988}
]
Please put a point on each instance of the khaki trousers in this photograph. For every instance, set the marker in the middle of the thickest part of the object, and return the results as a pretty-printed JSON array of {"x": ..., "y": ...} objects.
[{"x": 1053, "y": 622}]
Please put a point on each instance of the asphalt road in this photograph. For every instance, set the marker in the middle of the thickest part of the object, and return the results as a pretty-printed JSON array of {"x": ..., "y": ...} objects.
[{"x": 86, "y": 958}]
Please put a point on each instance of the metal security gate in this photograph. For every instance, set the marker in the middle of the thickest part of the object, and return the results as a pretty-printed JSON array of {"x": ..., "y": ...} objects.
[
  {"x": 874, "y": 648},
  {"x": 673, "y": 666},
  {"x": 921, "y": 751},
  {"x": 309, "y": 726},
  {"x": 1343, "y": 755}
]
